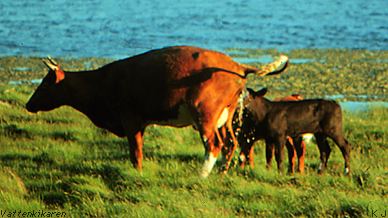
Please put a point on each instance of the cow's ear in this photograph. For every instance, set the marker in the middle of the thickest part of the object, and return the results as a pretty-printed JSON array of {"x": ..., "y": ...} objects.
[
  {"x": 60, "y": 75},
  {"x": 262, "y": 92},
  {"x": 54, "y": 66}
]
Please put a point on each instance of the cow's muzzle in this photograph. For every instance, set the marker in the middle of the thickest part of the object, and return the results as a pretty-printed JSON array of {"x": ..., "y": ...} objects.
[{"x": 30, "y": 108}]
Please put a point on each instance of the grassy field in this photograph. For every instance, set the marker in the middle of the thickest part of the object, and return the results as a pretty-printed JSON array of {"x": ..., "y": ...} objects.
[{"x": 60, "y": 162}]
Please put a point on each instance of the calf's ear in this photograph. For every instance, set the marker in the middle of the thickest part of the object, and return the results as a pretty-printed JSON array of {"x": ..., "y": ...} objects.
[
  {"x": 262, "y": 92},
  {"x": 251, "y": 92}
]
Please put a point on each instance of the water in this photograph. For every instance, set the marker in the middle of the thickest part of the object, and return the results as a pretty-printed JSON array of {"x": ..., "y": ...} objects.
[
  {"x": 265, "y": 59},
  {"x": 353, "y": 106},
  {"x": 122, "y": 28}
]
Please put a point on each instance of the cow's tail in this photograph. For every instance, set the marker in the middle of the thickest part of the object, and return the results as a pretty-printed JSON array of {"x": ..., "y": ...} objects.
[{"x": 273, "y": 68}]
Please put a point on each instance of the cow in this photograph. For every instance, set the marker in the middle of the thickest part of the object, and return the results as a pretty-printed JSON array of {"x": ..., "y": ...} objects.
[
  {"x": 176, "y": 86},
  {"x": 248, "y": 132},
  {"x": 277, "y": 120}
]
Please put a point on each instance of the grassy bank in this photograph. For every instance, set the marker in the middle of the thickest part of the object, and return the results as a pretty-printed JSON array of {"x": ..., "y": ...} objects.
[{"x": 59, "y": 161}]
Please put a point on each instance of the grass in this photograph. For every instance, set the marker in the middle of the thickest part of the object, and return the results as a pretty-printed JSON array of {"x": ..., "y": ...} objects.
[{"x": 59, "y": 161}]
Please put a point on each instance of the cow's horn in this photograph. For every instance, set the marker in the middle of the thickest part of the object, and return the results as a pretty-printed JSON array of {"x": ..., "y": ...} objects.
[
  {"x": 49, "y": 64},
  {"x": 52, "y": 61}
]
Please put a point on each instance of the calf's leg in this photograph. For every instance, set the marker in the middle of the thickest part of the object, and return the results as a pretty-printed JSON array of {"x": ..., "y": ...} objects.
[
  {"x": 279, "y": 147},
  {"x": 324, "y": 150},
  {"x": 269, "y": 152},
  {"x": 246, "y": 154},
  {"x": 291, "y": 154},
  {"x": 300, "y": 148},
  {"x": 250, "y": 156},
  {"x": 344, "y": 146}
]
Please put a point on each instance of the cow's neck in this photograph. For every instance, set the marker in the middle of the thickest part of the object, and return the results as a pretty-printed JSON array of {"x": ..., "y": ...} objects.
[
  {"x": 85, "y": 93},
  {"x": 82, "y": 89}
]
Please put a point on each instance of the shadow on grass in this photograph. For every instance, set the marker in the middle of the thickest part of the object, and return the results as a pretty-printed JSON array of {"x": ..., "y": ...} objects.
[
  {"x": 14, "y": 131},
  {"x": 43, "y": 158},
  {"x": 185, "y": 158},
  {"x": 6, "y": 158},
  {"x": 120, "y": 152},
  {"x": 75, "y": 184}
]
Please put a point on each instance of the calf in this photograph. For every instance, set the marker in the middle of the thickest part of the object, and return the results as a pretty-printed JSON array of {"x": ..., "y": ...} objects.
[
  {"x": 249, "y": 132},
  {"x": 176, "y": 86},
  {"x": 277, "y": 120}
]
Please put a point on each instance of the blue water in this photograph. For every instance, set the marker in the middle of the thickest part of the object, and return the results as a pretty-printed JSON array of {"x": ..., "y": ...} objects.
[
  {"x": 120, "y": 28},
  {"x": 353, "y": 106}
]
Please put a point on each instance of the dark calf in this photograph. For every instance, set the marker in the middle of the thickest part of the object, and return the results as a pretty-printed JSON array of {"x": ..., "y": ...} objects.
[
  {"x": 248, "y": 132},
  {"x": 277, "y": 120},
  {"x": 296, "y": 147}
]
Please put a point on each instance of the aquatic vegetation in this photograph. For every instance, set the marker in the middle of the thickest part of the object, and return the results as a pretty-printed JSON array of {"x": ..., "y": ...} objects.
[{"x": 357, "y": 75}]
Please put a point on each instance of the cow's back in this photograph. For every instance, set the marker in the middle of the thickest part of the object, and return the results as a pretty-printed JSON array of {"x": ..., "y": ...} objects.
[{"x": 158, "y": 81}]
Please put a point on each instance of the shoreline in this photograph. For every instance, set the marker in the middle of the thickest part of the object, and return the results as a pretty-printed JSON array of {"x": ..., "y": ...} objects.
[{"x": 341, "y": 74}]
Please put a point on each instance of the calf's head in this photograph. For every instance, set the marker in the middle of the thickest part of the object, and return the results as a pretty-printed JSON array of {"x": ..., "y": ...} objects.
[
  {"x": 257, "y": 105},
  {"x": 49, "y": 94}
]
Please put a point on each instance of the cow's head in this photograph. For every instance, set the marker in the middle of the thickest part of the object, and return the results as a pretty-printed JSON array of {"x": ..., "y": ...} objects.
[{"x": 49, "y": 94}]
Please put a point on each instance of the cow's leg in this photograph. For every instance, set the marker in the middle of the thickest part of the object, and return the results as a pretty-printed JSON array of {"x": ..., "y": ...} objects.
[
  {"x": 229, "y": 137},
  {"x": 211, "y": 151},
  {"x": 219, "y": 140},
  {"x": 324, "y": 150},
  {"x": 233, "y": 143},
  {"x": 291, "y": 154},
  {"x": 211, "y": 111},
  {"x": 227, "y": 143},
  {"x": 135, "y": 141},
  {"x": 300, "y": 147},
  {"x": 344, "y": 145},
  {"x": 212, "y": 141},
  {"x": 269, "y": 152},
  {"x": 134, "y": 129}
]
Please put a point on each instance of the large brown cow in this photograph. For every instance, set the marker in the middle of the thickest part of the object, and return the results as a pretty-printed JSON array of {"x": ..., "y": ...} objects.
[{"x": 175, "y": 86}]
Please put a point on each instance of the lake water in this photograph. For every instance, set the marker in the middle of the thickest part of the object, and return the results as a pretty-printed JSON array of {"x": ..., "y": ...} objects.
[{"x": 121, "y": 28}]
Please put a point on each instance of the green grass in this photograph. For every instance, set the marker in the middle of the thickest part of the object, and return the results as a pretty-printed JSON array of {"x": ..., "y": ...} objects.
[{"x": 59, "y": 161}]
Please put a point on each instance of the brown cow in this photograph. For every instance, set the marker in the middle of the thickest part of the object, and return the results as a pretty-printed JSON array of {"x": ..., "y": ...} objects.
[{"x": 176, "y": 86}]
